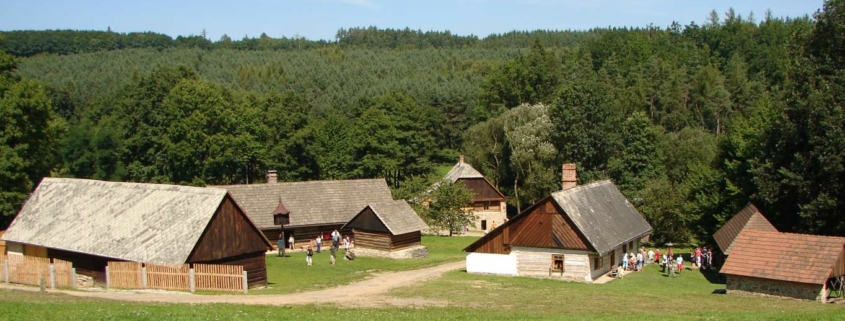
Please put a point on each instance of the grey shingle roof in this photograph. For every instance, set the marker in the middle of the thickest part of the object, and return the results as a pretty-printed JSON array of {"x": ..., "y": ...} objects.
[
  {"x": 129, "y": 221},
  {"x": 397, "y": 216},
  {"x": 462, "y": 170},
  {"x": 311, "y": 202},
  {"x": 602, "y": 214}
]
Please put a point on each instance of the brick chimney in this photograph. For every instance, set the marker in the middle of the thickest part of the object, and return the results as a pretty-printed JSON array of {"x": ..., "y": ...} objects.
[
  {"x": 569, "y": 176},
  {"x": 461, "y": 159},
  {"x": 272, "y": 176}
]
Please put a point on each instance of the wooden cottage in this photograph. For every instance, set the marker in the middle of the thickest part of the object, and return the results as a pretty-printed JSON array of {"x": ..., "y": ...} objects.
[
  {"x": 489, "y": 204},
  {"x": 90, "y": 222},
  {"x": 784, "y": 265},
  {"x": 577, "y": 234},
  {"x": 389, "y": 229},
  {"x": 749, "y": 218},
  {"x": 314, "y": 208}
]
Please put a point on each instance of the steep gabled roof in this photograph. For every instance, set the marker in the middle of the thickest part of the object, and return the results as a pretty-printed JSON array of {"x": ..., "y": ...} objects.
[
  {"x": 784, "y": 256},
  {"x": 599, "y": 212},
  {"x": 462, "y": 170},
  {"x": 310, "y": 202},
  {"x": 397, "y": 216},
  {"x": 602, "y": 214},
  {"x": 128, "y": 221},
  {"x": 749, "y": 218}
]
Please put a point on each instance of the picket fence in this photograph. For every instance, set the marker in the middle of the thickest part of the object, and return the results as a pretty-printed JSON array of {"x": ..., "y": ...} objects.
[
  {"x": 32, "y": 270},
  {"x": 180, "y": 277}
]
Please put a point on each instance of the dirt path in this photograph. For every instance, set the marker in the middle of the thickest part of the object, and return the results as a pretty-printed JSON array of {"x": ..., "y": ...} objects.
[{"x": 367, "y": 293}]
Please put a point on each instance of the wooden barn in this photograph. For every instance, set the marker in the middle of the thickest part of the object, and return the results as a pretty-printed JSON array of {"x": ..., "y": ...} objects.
[
  {"x": 489, "y": 204},
  {"x": 749, "y": 218},
  {"x": 388, "y": 229},
  {"x": 92, "y": 222},
  {"x": 576, "y": 234},
  {"x": 784, "y": 265},
  {"x": 315, "y": 208}
]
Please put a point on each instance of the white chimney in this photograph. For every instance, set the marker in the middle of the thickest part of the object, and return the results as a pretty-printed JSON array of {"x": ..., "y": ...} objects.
[
  {"x": 272, "y": 176},
  {"x": 569, "y": 176}
]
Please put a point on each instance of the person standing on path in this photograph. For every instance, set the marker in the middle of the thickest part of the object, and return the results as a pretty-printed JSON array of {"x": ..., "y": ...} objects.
[
  {"x": 290, "y": 241},
  {"x": 319, "y": 242},
  {"x": 308, "y": 254}
]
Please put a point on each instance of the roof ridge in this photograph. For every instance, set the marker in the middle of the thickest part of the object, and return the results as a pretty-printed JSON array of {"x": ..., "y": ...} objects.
[
  {"x": 841, "y": 238},
  {"x": 152, "y": 186}
]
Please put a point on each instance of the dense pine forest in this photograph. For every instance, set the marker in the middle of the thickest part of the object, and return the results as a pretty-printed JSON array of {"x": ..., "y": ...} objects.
[{"x": 690, "y": 121}]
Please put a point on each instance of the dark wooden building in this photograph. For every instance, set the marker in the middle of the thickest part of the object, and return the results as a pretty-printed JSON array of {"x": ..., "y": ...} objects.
[
  {"x": 784, "y": 265},
  {"x": 576, "y": 234},
  {"x": 92, "y": 222},
  {"x": 488, "y": 204},
  {"x": 315, "y": 208},
  {"x": 388, "y": 226}
]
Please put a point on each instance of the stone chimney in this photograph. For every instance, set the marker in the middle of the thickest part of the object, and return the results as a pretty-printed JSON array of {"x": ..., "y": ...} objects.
[
  {"x": 461, "y": 159},
  {"x": 569, "y": 176},
  {"x": 272, "y": 176}
]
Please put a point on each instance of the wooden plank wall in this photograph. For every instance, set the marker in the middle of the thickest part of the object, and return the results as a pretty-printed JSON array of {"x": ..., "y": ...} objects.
[
  {"x": 405, "y": 240},
  {"x": 126, "y": 275},
  {"x": 566, "y": 235},
  {"x": 377, "y": 241},
  {"x": 495, "y": 242},
  {"x": 219, "y": 277},
  {"x": 367, "y": 221},
  {"x": 168, "y": 277},
  {"x": 29, "y": 269},
  {"x": 228, "y": 234},
  {"x": 535, "y": 229},
  {"x": 482, "y": 189},
  {"x": 254, "y": 264},
  {"x": 64, "y": 273}
]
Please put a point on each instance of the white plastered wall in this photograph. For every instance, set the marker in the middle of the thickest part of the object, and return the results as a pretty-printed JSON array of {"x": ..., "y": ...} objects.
[{"x": 486, "y": 263}]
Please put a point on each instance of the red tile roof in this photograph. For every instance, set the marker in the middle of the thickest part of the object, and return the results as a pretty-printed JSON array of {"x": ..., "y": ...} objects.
[
  {"x": 784, "y": 256},
  {"x": 749, "y": 218}
]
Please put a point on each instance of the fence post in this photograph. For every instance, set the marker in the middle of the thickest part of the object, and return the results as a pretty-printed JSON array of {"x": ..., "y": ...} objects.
[
  {"x": 246, "y": 284},
  {"x": 6, "y": 270},
  {"x": 107, "y": 277},
  {"x": 52, "y": 276},
  {"x": 192, "y": 281},
  {"x": 73, "y": 278},
  {"x": 144, "y": 277}
]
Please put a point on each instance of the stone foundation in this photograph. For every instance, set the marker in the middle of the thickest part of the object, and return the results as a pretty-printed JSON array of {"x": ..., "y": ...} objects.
[
  {"x": 747, "y": 286},
  {"x": 413, "y": 252}
]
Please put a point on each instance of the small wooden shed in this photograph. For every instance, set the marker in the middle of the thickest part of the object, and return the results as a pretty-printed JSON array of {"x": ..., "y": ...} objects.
[
  {"x": 784, "y": 265},
  {"x": 384, "y": 228},
  {"x": 89, "y": 223}
]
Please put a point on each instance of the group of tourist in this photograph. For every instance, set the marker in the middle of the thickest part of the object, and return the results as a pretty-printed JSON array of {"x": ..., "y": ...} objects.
[
  {"x": 336, "y": 239},
  {"x": 702, "y": 258}
]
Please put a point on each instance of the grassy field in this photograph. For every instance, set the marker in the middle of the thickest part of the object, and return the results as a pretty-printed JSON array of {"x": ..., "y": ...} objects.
[{"x": 291, "y": 274}]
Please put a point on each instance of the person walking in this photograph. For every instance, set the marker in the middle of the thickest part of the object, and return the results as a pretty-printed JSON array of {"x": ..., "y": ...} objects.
[
  {"x": 335, "y": 239},
  {"x": 640, "y": 261},
  {"x": 680, "y": 262},
  {"x": 625, "y": 261},
  {"x": 319, "y": 242},
  {"x": 346, "y": 242},
  {"x": 290, "y": 241},
  {"x": 308, "y": 254}
]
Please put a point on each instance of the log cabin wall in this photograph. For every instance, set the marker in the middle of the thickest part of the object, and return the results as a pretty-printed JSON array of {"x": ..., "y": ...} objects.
[
  {"x": 482, "y": 189},
  {"x": 229, "y": 234},
  {"x": 254, "y": 265},
  {"x": 376, "y": 241},
  {"x": 405, "y": 240}
]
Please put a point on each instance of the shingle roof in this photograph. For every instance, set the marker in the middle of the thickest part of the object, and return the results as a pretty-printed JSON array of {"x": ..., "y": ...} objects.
[
  {"x": 311, "y": 202},
  {"x": 462, "y": 170},
  {"x": 602, "y": 214},
  {"x": 129, "y": 221},
  {"x": 397, "y": 216},
  {"x": 748, "y": 218},
  {"x": 784, "y": 256}
]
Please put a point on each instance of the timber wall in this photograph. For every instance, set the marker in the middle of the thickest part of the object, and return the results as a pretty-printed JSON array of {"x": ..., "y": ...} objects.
[
  {"x": 377, "y": 241},
  {"x": 536, "y": 262},
  {"x": 405, "y": 240}
]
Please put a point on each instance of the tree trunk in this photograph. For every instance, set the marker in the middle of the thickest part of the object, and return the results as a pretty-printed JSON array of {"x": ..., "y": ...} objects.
[{"x": 516, "y": 194}]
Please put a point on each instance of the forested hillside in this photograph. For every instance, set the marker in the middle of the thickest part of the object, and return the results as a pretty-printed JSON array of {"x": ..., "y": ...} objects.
[{"x": 690, "y": 121}]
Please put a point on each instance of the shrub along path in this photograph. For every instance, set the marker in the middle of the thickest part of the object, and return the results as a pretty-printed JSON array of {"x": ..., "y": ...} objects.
[{"x": 370, "y": 292}]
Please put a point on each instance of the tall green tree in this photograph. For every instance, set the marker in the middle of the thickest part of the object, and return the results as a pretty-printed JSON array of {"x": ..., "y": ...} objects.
[{"x": 449, "y": 207}]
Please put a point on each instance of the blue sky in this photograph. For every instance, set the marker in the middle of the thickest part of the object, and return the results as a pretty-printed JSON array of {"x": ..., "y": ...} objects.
[{"x": 320, "y": 19}]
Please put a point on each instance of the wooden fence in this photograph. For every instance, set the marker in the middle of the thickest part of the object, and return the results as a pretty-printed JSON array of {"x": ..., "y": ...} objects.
[
  {"x": 168, "y": 277},
  {"x": 126, "y": 275},
  {"x": 32, "y": 270},
  {"x": 219, "y": 277}
]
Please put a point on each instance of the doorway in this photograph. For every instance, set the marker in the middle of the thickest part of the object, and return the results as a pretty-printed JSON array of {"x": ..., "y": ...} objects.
[{"x": 484, "y": 225}]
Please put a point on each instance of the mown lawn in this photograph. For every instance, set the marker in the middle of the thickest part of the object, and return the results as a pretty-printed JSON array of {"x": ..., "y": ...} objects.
[{"x": 291, "y": 274}]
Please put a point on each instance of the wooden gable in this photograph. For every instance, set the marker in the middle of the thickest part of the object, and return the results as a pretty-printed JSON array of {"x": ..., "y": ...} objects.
[
  {"x": 229, "y": 234},
  {"x": 484, "y": 191},
  {"x": 367, "y": 221},
  {"x": 542, "y": 225}
]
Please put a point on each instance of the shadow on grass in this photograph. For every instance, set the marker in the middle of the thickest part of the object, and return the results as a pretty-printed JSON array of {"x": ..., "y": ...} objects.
[
  {"x": 713, "y": 277},
  {"x": 719, "y": 291}
]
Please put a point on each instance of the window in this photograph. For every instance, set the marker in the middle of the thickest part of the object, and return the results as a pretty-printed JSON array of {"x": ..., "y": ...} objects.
[
  {"x": 557, "y": 263},
  {"x": 597, "y": 263},
  {"x": 486, "y": 205}
]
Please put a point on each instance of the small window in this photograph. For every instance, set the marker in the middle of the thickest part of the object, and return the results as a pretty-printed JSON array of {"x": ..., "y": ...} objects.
[
  {"x": 486, "y": 205},
  {"x": 597, "y": 262},
  {"x": 557, "y": 263}
]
